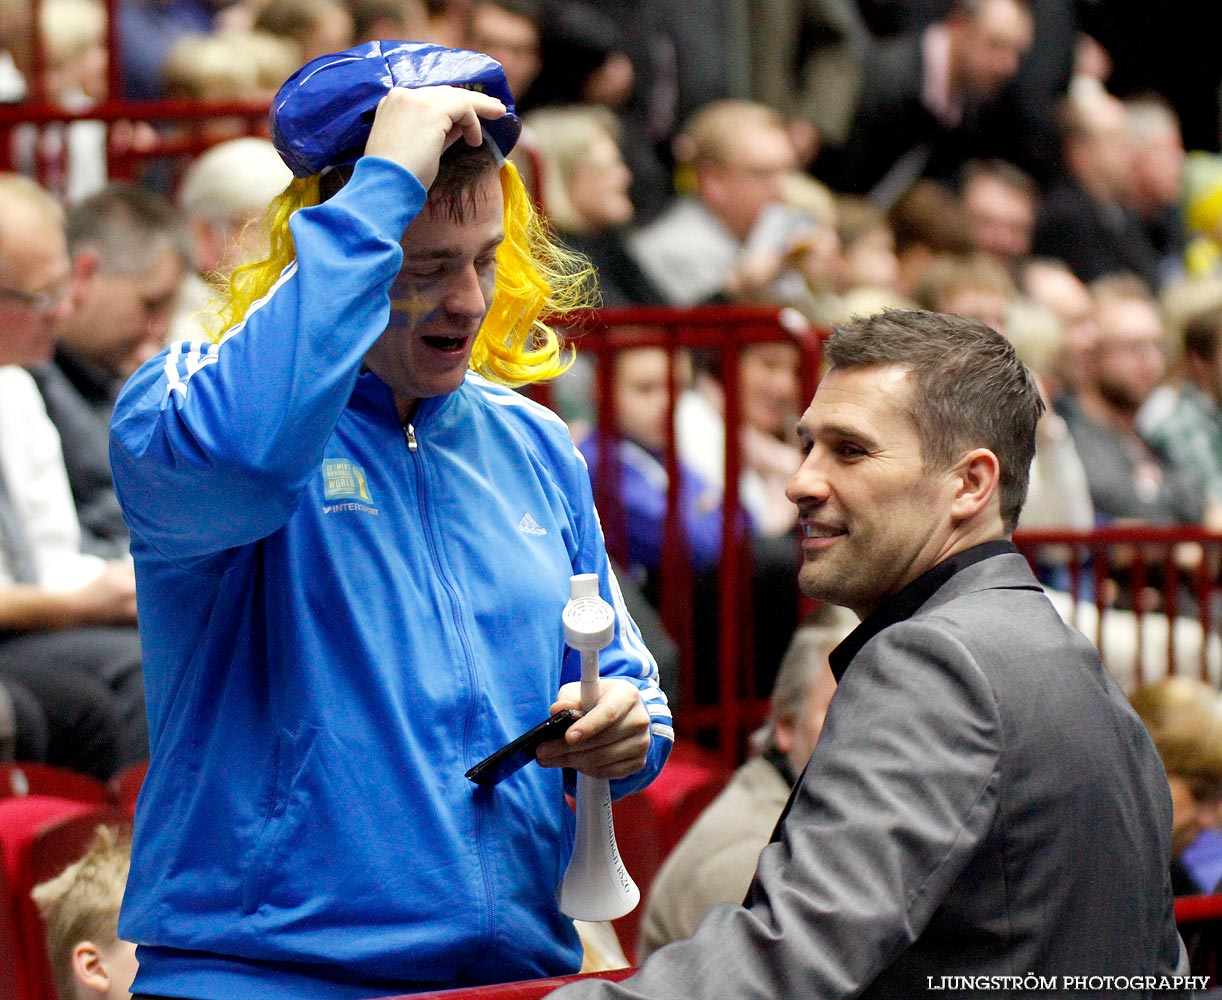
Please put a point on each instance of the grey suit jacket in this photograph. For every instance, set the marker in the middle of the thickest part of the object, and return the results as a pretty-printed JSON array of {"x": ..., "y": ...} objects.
[{"x": 981, "y": 802}]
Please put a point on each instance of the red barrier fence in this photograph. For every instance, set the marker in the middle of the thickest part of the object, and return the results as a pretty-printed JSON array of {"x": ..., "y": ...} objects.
[
  {"x": 1146, "y": 596},
  {"x": 1199, "y": 919},
  {"x": 184, "y": 127},
  {"x": 720, "y": 333},
  {"x": 33, "y": 137}
]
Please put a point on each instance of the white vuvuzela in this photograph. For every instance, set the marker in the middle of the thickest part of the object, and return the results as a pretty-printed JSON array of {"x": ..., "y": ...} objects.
[{"x": 596, "y": 885}]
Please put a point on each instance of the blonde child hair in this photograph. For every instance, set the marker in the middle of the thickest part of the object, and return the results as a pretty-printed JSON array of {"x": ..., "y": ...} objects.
[{"x": 82, "y": 902}]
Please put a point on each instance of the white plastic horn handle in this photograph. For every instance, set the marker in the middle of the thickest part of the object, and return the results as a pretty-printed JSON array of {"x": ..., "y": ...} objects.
[{"x": 596, "y": 884}]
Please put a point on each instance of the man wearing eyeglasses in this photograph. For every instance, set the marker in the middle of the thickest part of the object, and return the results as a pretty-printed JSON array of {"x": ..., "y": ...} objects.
[
  {"x": 128, "y": 259},
  {"x": 69, "y": 652}
]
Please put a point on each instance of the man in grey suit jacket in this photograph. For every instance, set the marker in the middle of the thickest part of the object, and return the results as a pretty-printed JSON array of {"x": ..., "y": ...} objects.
[{"x": 982, "y": 806}]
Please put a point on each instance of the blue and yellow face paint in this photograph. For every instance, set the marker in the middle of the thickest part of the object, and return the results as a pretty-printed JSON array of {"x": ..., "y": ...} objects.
[{"x": 537, "y": 281}]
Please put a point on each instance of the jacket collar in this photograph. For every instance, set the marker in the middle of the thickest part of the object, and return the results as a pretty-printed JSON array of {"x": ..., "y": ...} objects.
[
  {"x": 370, "y": 393},
  {"x": 906, "y": 602}
]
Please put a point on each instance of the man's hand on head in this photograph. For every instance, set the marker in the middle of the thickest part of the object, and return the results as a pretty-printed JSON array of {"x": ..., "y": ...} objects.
[
  {"x": 610, "y": 741},
  {"x": 413, "y": 127}
]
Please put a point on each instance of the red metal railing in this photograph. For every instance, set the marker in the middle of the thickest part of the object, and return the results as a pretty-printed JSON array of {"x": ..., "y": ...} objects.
[
  {"x": 192, "y": 118},
  {"x": 1146, "y": 596},
  {"x": 725, "y": 331}
]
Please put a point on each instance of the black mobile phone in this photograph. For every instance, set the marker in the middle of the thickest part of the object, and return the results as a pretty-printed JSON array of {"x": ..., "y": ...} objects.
[{"x": 521, "y": 751}]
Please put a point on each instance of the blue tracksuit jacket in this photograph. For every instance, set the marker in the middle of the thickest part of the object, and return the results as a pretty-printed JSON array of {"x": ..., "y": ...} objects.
[{"x": 338, "y": 619}]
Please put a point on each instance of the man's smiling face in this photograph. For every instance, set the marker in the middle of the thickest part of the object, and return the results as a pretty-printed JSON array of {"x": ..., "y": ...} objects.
[{"x": 871, "y": 516}]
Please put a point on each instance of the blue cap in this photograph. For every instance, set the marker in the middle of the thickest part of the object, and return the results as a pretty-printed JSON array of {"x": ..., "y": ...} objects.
[{"x": 322, "y": 115}]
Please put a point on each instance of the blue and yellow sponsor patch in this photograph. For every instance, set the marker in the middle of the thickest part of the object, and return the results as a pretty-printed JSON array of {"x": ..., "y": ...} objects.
[{"x": 344, "y": 480}]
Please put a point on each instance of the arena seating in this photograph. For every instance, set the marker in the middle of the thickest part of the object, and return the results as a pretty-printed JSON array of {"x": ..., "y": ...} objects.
[
  {"x": 1200, "y": 923},
  {"x": 31, "y": 778}
]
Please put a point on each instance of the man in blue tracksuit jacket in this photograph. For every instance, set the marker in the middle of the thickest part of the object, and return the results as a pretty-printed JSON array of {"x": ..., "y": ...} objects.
[{"x": 352, "y": 556}]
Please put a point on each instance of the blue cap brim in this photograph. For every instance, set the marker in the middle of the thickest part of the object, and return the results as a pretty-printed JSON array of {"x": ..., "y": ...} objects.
[{"x": 322, "y": 115}]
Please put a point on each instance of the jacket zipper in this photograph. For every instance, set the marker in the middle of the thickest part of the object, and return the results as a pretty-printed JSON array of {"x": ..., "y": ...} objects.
[{"x": 413, "y": 447}]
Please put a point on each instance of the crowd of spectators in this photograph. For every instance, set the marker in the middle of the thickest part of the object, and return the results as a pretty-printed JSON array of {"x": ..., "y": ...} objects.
[{"x": 1041, "y": 165}]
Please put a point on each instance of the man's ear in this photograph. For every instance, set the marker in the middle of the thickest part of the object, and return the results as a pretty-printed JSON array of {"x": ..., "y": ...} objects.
[
  {"x": 976, "y": 480},
  {"x": 85, "y": 264},
  {"x": 89, "y": 968},
  {"x": 782, "y": 735}
]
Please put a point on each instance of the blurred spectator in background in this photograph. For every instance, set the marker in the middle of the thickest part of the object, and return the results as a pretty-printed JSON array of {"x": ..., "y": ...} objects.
[
  {"x": 971, "y": 285},
  {"x": 683, "y": 57},
  {"x": 768, "y": 387},
  {"x": 75, "y": 64},
  {"x": 74, "y": 52},
  {"x": 67, "y": 635},
  {"x": 316, "y": 27},
  {"x": 641, "y": 388},
  {"x": 1058, "y": 495},
  {"x": 509, "y": 31},
  {"x": 807, "y": 59},
  {"x": 80, "y": 911},
  {"x": 233, "y": 65},
  {"x": 1184, "y": 717},
  {"x": 70, "y": 158},
  {"x": 148, "y": 30},
  {"x": 375, "y": 20},
  {"x": 739, "y": 154},
  {"x": 1150, "y": 48},
  {"x": 925, "y": 96},
  {"x": 1129, "y": 480},
  {"x": 582, "y": 58},
  {"x": 584, "y": 192},
  {"x": 1203, "y": 214},
  {"x": 1183, "y": 422},
  {"x": 223, "y": 191},
  {"x": 446, "y": 22},
  {"x": 867, "y": 246},
  {"x": 1051, "y": 284},
  {"x": 1000, "y": 202},
  {"x": 791, "y": 257},
  {"x": 927, "y": 220},
  {"x": 716, "y": 859},
  {"x": 14, "y": 49},
  {"x": 1156, "y": 184},
  {"x": 128, "y": 262},
  {"x": 1085, "y": 221}
]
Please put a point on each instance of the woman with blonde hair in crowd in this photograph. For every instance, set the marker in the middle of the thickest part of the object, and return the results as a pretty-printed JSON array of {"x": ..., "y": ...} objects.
[{"x": 583, "y": 189}]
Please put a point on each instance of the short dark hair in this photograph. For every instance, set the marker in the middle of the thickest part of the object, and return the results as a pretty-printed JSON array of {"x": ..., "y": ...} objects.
[
  {"x": 1002, "y": 171},
  {"x": 528, "y": 10},
  {"x": 1202, "y": 333},
  {"x": 929, "y": 214},
  {"x": 969, "y": 389},
  {"x": 128, "y": 225},
  {"x": 461, "y": 169},
  {"x": 459, "y": 172}
]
